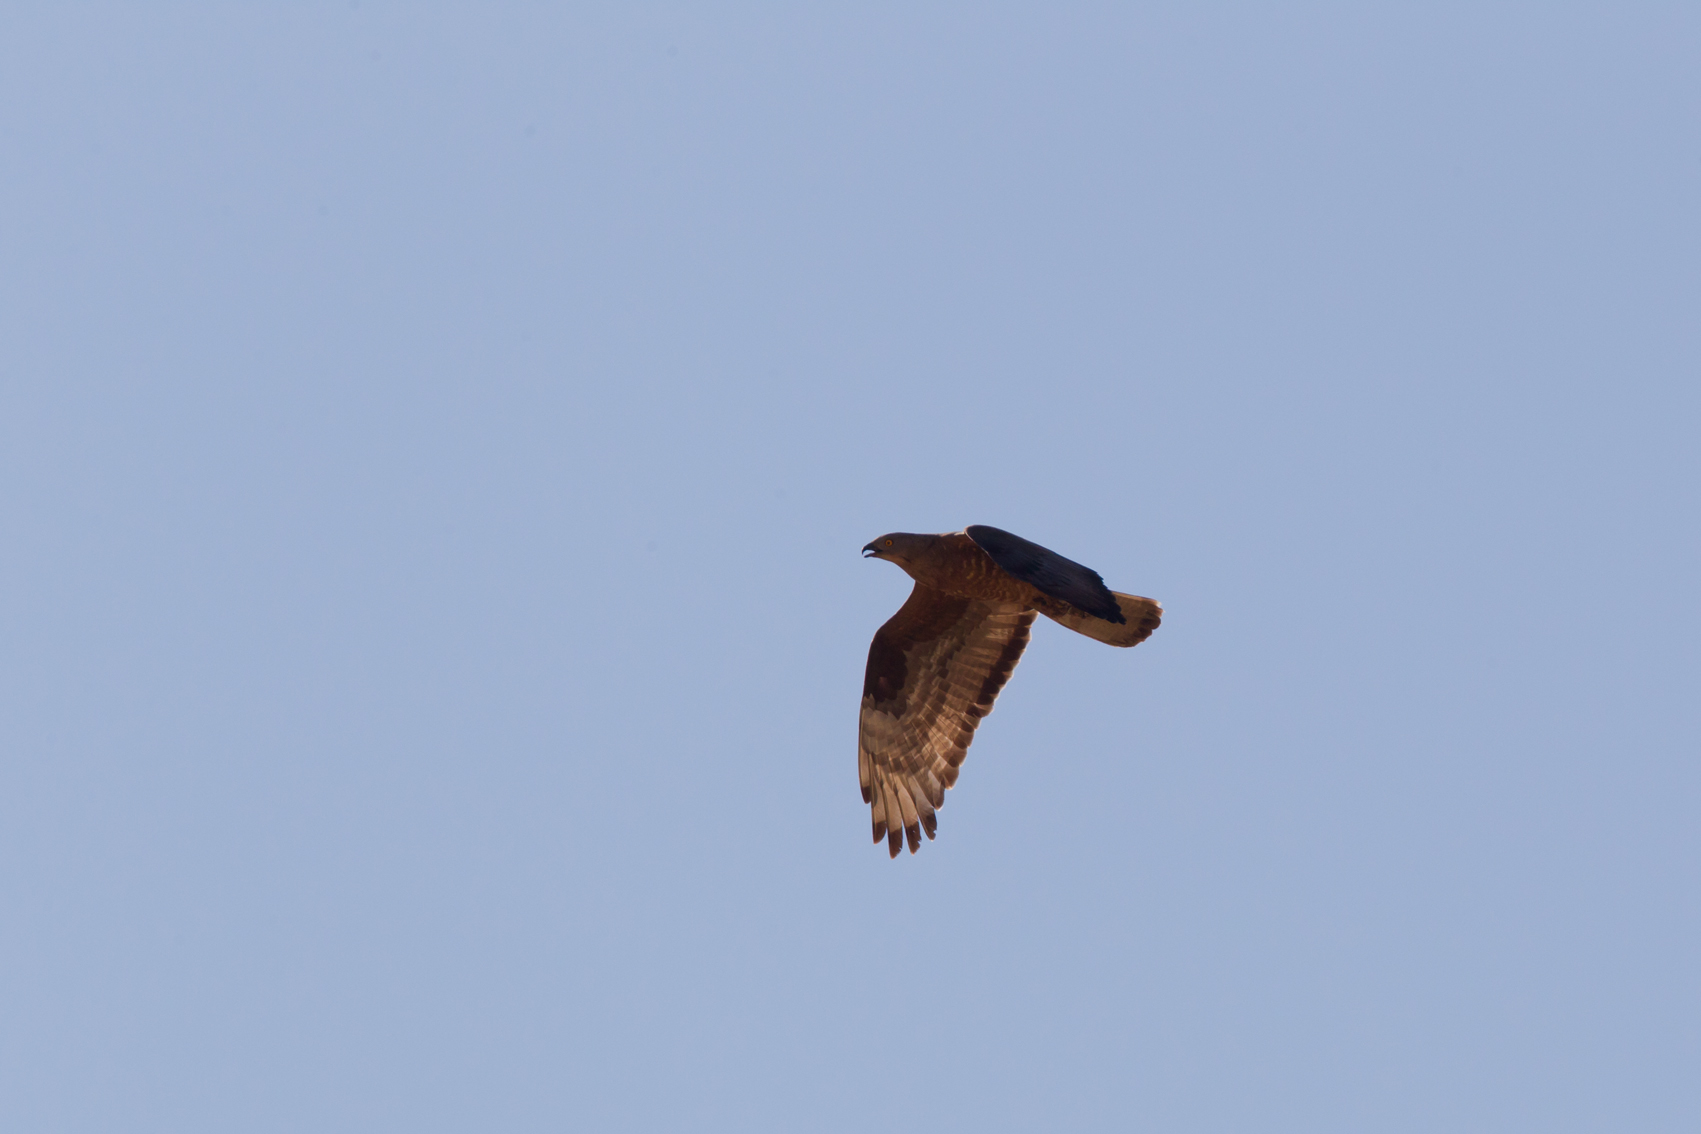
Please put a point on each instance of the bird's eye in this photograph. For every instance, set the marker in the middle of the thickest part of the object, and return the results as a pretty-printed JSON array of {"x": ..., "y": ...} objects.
[{"x": 888, "y": 543}]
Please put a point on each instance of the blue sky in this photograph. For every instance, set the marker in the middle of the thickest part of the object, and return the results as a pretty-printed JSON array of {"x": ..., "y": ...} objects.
[{"x": 435, "y": 448}]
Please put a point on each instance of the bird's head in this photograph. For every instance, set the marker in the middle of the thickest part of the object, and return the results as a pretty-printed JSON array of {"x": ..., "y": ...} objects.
[{"x": 898, "y": 547}]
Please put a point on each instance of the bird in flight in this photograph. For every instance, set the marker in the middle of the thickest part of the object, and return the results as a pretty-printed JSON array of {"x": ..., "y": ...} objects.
[{"x": 936, "y": 666}]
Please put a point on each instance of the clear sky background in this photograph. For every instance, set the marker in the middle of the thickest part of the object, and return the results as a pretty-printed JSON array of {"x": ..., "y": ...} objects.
[{"x": 435, "y": 448}]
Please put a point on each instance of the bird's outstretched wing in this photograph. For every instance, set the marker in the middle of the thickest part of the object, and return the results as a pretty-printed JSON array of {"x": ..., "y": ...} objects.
[
  {"x": 1080, "y": 587},
  {"x": 933, "y": 672}
]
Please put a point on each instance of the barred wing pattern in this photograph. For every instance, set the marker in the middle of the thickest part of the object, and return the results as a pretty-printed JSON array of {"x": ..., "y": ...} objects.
[{"x": 933, "y": 672}]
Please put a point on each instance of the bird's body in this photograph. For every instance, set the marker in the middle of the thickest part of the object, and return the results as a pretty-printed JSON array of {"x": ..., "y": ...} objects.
[
  {"x": 936, "y": 666},
  {"x": 955, "y": 565}
]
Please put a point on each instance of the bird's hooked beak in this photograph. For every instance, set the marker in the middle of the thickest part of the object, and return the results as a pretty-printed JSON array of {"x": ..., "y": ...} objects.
[{"x": 869, "y": 551}]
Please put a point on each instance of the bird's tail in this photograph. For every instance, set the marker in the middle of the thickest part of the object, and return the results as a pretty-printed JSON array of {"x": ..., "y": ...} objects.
[{"x": 1141, "y": 616}]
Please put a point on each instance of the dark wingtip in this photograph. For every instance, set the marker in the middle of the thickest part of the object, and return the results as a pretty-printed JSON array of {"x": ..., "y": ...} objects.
[
  {"x": 879, "y": 831},
  {"x": 894, "y": 841},
  {"x": 930, "y": 824},
  {"x": 867, "y": 796},
  {"x": 913, "y": 834}
]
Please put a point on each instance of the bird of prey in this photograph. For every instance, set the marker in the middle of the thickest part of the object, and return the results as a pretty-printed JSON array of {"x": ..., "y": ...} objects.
[{"x": 935, "y": 667}]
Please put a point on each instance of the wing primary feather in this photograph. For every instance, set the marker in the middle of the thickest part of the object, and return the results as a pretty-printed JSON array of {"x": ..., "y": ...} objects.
[
  {"x": 894, "y": 818},
  {"x": 931, "y": 789},
  {"x": 912, "y": 825},
  {"x": 879, "y": 811}
]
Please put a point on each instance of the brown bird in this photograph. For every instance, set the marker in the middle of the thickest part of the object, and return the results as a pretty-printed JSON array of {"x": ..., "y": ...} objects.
[{"x": 936, "y": 666}]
